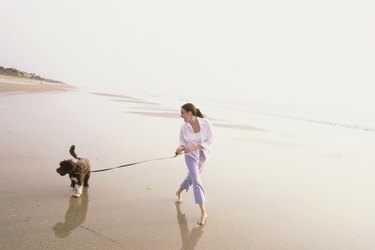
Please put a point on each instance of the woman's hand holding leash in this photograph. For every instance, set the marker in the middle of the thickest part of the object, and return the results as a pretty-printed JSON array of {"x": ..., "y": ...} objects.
[{"x": 180, "y": 150}]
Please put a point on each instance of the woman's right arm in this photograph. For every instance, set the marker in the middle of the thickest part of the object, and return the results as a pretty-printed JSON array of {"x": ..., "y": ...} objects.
[{"x": 182, "y": 146}]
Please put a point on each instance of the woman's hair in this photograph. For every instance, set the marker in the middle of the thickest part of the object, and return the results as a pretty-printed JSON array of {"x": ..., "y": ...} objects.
[{"x": 190, "y": 107}]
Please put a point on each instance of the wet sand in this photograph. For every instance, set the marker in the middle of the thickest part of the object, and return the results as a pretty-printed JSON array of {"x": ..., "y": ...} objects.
[{"x": 266, "y": 190}]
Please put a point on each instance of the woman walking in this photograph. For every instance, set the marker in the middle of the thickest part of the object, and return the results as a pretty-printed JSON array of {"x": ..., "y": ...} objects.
[{"x": 195, "y": 139}]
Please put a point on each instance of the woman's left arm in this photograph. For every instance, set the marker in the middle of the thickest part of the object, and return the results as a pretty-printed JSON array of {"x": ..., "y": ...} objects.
[
  {"x": 194, "y": 148},
  {"x": 207, "y": 137}
]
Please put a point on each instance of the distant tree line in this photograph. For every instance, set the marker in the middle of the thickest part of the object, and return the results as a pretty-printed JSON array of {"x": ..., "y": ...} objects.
[{"x": 23, "y": 74}]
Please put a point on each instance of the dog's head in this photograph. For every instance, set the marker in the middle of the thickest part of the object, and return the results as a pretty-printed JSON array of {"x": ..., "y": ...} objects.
[{"x": 66, "y": 167}]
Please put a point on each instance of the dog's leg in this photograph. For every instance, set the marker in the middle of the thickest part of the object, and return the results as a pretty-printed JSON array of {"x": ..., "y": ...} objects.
[
  {"x": 78, "y": 191},
  {"x": 79, "y": 186},
  {"x": 86, "y": 180},
  {"x": 74, "y": 180}
]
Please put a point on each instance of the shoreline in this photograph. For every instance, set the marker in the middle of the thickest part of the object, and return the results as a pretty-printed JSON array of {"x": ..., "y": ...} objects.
[{"x": 12, "y": 84}]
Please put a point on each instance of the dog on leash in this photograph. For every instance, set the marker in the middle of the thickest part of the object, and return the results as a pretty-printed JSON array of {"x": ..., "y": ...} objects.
[{"x": 78, "y": 170}]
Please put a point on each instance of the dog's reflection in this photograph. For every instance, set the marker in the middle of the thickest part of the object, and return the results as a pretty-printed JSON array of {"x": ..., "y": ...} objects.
[
  {"x": 75, "y": 215},
  {"x": 189, "y": 238}
]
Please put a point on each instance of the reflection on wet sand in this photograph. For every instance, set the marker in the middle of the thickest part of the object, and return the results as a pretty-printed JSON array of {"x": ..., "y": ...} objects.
[
  {"x": 124, "y": 98},
  {"x": 238, "y": 126},
  {"x": 114, "y": 95},
  {"x": 189, "y": 238},
  {"x": 157, "y": 114},
  {"x": 75, "y": 215}
]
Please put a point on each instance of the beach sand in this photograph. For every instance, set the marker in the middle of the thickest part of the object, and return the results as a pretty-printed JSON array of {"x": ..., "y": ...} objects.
[
  {"x": 266, "y": 190},
  {"x": 10, "y": 84}
]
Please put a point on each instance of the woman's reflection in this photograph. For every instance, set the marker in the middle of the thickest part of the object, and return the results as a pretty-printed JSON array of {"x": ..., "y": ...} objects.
[
  {"x": 189, "y": 238},
  {"x": 75, "y": 215}
]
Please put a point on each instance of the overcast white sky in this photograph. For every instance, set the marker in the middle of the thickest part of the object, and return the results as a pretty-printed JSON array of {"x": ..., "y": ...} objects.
[{"x": 294, "y": 50}]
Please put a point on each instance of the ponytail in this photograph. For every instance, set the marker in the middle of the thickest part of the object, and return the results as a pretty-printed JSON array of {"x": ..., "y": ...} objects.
[
  {"x": 189, "y": 107},
  {"x": 198, "y": 113}
]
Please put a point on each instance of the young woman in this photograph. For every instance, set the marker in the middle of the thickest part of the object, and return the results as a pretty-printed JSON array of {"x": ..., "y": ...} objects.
[{"x": 195, "y": 139}]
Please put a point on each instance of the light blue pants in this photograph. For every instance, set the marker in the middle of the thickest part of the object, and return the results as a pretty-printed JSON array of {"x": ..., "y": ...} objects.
[{"x": 193, "y": 177}]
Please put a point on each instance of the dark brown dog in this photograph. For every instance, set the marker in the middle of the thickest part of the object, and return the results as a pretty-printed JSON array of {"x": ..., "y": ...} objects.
[{"x": 79, "y": 172}]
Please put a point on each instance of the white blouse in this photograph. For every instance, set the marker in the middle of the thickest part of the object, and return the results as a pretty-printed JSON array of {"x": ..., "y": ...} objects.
[{"x": 204, "y": 138}]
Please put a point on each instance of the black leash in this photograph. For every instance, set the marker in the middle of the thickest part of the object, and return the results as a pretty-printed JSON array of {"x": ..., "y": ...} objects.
[{"x": 130, "y": 164}]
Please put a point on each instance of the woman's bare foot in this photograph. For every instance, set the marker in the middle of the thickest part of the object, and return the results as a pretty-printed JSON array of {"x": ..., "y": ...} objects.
[
  {"x": 179, "y": 198},
  {"x": 203, "y": 219}
]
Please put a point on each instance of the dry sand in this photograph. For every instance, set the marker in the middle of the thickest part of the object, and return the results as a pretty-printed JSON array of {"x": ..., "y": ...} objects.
[
  {"x": 265, "y": 191},
  {"x": 10, "y": 84}
]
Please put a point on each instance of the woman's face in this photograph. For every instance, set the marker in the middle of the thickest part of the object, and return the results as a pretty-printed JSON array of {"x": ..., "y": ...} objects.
[{"x": 185, "y": 115}]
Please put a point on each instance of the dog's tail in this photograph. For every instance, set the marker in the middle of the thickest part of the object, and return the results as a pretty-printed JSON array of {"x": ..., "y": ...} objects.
[{"x": 72, "y": 152}]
